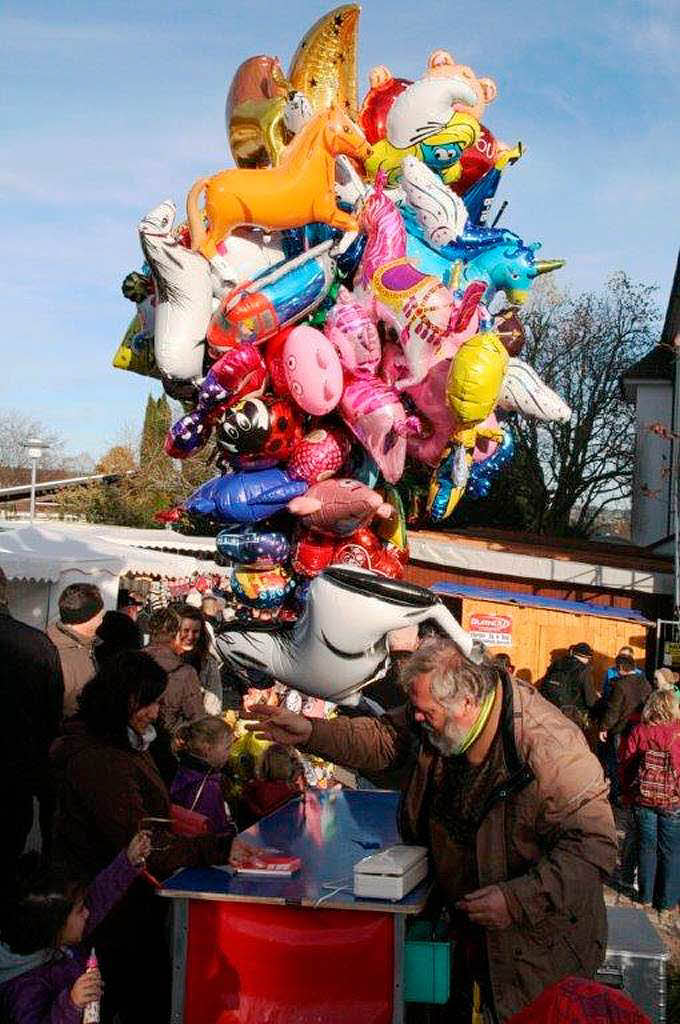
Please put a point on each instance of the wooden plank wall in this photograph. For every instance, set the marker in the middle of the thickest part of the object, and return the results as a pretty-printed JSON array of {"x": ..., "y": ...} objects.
[{"x": 539, "y": 634}]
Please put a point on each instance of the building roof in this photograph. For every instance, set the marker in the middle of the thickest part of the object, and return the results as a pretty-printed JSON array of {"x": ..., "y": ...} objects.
[
  {"x": 659, "y": 363},
  {"x": 45, "y": 552},
  {"x": 671, "y": 327},
  {"x": 527, "y": 557},
  {"x": 656, "y": 365},
  {"x": 532, "y": 601}
]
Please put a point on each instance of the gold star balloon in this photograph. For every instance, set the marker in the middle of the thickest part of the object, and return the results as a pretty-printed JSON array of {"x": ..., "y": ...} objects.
[{"x": 324, "y": 67}]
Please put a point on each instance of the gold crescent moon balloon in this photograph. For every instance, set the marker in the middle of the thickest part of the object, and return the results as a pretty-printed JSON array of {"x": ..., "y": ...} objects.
[{"x": 324, "y": 67}]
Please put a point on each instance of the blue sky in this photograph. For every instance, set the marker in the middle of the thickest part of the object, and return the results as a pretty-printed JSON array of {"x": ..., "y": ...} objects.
[{"x": 111, "y": 107}]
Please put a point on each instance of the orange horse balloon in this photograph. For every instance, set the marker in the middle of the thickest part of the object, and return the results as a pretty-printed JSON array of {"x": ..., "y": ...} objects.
[{"x": 299, "y": 190}]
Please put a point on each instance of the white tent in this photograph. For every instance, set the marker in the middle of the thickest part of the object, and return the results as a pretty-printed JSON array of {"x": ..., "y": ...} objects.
[{"x": 39, "y": 562}]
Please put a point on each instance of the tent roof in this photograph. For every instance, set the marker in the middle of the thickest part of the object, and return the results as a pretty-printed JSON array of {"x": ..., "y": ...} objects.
[
  {"x": 43, "y": 553},
  {"x": 36, "y": 553}
]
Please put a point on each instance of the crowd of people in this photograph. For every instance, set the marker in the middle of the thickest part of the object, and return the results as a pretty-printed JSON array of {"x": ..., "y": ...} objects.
[
  {"x": 125, "y": 749},
  {"x": 634, "y": 727},
  {"x": 143, "y": 753}
]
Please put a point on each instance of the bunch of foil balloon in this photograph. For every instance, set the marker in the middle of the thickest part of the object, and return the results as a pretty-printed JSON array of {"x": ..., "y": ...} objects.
[{"x": 325, "y": 313}]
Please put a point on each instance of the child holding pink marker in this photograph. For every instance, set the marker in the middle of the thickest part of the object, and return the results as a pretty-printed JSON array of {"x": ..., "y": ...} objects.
[{"x": 47, "y": 971}]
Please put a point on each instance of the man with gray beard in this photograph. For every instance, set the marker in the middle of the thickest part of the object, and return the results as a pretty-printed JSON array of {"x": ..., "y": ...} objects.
[{"x": 513, "y": 808}]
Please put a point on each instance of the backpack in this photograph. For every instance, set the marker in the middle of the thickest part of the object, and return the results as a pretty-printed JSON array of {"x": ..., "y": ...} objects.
[
  {"x": 563, "y": 684},
  {"x": 658, "y": 785}
]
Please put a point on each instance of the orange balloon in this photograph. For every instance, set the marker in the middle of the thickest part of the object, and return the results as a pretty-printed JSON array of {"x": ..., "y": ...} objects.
[{"x": 300, "y": 190}]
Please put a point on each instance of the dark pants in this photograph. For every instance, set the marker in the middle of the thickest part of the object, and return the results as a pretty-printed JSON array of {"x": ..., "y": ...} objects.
[
  {"x": 131, "y": 945},
  {"x": 658, "y": 834},
  {"x": 610, "y": 763},
  {"x": 17, "y": 806}
]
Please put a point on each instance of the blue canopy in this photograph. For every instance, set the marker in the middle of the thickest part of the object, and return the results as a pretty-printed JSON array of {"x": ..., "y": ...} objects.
[{"x": 604, "y": 611}]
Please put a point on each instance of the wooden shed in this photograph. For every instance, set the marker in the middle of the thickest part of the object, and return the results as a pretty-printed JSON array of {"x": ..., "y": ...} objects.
[{"x": 534, "y": 630}]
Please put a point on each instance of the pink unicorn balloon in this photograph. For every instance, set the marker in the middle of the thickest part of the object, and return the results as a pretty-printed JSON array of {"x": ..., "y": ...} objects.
[{"x": 431, "y": 320}]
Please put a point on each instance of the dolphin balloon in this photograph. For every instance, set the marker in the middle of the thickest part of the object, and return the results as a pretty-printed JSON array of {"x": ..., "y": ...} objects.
[{"x": 339, "y": 644}]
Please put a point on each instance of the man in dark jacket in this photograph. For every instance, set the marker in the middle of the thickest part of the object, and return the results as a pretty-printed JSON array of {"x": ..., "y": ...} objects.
[
  {"x": 625, "y": 700},
  {"x": 31, "y": 696},
  {"x": 569, "y": 685},
  {"x": 513, "y": 807}
]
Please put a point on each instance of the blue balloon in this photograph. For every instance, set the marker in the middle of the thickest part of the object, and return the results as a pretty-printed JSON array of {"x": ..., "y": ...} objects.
[
  {"x": 482, "y": 473},
  {"x": 245, "y": 497},
  {"x": 253, "y": 547},
  {"x": 496, "y": 256}
]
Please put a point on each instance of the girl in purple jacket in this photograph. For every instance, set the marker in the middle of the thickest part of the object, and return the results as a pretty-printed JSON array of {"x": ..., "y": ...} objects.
[
  {"x": 44, "y": 925},
  {"x": 203, "y": 749}
]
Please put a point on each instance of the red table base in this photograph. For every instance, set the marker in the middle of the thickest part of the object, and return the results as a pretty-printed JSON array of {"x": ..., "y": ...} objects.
[{"x": 263, "y": 964}]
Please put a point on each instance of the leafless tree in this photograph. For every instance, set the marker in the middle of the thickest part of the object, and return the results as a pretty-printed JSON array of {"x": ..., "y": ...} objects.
[{"x": 580, "y": 344}]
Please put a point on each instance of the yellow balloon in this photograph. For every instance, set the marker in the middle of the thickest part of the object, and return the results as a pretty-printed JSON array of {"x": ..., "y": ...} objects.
[
  {"x": 393, "y": 530},
  {"x": 324, "y": 67},
  {"x": 475, "y": 378},
  {"x": 137, "y": 357}
]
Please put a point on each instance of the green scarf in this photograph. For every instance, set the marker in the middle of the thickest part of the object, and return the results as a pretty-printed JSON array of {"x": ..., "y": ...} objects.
[{"x": 480, "y": 722}]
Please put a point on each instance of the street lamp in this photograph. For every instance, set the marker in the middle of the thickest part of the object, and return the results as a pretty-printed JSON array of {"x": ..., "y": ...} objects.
[{"x": 34, "y": 449}]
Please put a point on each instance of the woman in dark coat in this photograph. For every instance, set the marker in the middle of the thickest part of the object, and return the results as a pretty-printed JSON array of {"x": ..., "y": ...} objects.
[{"x": 107, "y": 786}]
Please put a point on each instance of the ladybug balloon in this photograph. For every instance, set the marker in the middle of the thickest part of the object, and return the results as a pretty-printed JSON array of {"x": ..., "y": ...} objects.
[{"x": 266, "y": 427}]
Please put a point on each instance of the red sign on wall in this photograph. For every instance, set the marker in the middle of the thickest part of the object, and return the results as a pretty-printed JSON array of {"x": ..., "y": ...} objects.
[{"x": 493, "y": 630}]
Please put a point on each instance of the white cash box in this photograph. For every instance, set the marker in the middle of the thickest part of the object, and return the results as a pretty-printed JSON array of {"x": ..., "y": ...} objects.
[{"x": 391, "y": 873}]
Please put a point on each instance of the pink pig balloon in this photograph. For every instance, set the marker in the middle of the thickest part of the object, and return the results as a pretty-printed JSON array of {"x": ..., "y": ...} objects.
[{"x": 313, "y": 371}]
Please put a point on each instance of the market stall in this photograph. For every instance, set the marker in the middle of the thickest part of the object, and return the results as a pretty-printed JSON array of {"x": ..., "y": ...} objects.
[
  {"x": 247, "y": 950},
  {"x": 533, "y": 630}
]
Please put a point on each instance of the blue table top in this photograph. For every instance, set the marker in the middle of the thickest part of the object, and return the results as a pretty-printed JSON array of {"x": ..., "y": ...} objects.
[{"x": 330, "y": 832}]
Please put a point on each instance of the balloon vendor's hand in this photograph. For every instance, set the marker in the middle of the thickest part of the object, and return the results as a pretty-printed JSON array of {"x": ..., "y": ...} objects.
[
  {"x": 279, "y": 725},
  {"x": 87, "y": 989},
  {"x": 486, "y": 907},
  {"x": 139, "y": 848},
  {"x": 242, "y": 852}
]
